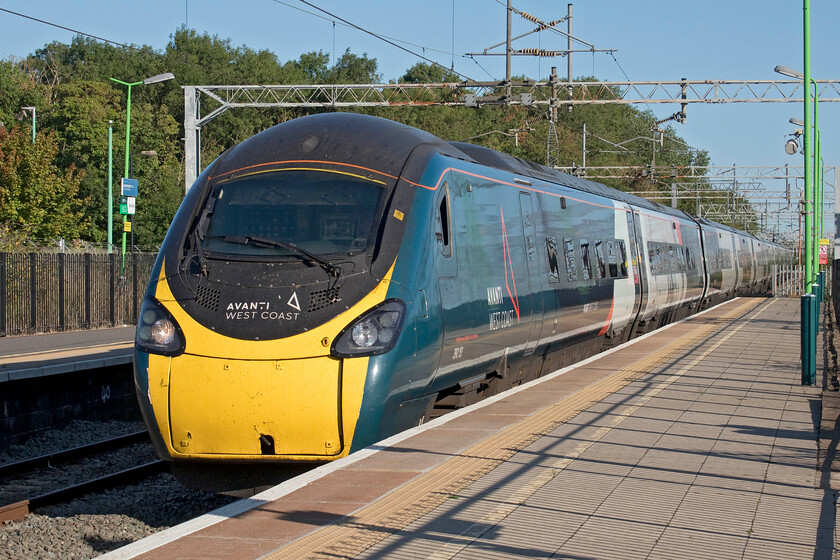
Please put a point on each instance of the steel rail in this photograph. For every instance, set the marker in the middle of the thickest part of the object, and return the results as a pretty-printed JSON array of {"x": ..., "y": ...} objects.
[
  {"x": 18, "y": 510},
  {"x": 53, "y": 459}
]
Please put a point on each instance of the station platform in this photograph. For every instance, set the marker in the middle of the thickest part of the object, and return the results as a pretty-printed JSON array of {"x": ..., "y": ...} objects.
[
  {"x": 695, "y": 441},
  {"x": 42, "y": 355}
]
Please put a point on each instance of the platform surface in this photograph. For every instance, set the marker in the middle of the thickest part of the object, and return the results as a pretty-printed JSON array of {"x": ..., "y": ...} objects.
[
  {"x": 697, "y": 441},
  {"x": 40, "y": 355}
]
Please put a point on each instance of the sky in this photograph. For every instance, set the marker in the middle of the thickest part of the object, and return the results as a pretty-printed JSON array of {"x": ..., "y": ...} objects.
[{"x": 653, "y": 40}]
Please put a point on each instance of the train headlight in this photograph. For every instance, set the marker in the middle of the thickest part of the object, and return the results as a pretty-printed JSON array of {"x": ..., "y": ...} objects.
[
  {"x": 157, "y": 330},
  {"x": 375, "y": 332},
  {"x": 365, "y": 334}
]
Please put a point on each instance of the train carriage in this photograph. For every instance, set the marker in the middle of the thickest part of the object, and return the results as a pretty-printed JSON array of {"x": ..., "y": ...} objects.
[{"x": 339, "y": 278}]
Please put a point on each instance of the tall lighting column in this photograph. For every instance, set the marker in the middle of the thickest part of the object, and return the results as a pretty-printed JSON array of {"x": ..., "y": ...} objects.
[
  {"x": 152, "y": 80},
  {"x": 810, "y": 308},
  {"x": 110, "y": 186}
]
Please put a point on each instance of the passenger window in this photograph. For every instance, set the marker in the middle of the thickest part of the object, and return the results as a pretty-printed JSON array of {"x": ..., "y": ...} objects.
[
  {"x": 587, "y": 262},
  {"x": 571, "y": 264},
  {"x": 599, "y": 254},
  {"x": 553, "y": 265},
  {"x": 680, "y": 257},
  {"x": 612, "y": 260},
  {"x": 623, "y": 258},
  {"x": 655, "y": 258}
]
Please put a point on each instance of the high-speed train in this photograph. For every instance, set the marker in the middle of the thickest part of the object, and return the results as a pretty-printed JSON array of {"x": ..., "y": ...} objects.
[{"x": 339, "y": 278}]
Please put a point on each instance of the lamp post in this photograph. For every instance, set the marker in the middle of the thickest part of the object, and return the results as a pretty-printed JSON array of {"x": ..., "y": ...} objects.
[
  {"x": 809, "y": 319},
  {"x": 33, "y": 120},
  {"x": 810, "y": 133},
  {"x": 152, "y": 80},
  {"x": 110, "y": 186}
]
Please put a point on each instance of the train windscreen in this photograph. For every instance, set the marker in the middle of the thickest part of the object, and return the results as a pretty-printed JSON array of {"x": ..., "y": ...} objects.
[{"x": 283, "y": 213}]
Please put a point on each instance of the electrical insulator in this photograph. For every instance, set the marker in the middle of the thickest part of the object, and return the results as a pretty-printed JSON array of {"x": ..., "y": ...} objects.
[{"x": 529, "y": 17}]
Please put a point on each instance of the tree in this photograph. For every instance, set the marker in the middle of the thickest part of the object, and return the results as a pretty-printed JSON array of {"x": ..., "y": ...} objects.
[
  {"x": 35, "y": 195},
  {"x": 353, "y": 69},
  {"x": 424, "y": 73}
]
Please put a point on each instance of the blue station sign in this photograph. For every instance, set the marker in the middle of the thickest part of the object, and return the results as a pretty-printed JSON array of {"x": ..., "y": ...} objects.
[{"x": 128, "y": 187}]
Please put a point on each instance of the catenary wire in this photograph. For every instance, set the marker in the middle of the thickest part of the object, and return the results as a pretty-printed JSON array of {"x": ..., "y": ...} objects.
[
  {"x": 70, "y": 29},
  {"x": 383, "y": 38}
]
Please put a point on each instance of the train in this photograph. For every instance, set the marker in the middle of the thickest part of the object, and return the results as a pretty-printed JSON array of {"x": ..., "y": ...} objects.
[{"x": 339, "y": 278}]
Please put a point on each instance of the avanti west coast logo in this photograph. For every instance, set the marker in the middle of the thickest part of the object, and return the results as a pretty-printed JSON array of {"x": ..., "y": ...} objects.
[{"x": 264, "y": 310}]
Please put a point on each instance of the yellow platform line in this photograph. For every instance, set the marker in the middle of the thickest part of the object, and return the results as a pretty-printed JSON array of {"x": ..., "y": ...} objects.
[{"x": 353, "y": 534}]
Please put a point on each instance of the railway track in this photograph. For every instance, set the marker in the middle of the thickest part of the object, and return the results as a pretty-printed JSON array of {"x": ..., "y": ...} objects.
[{"x": 26, "y": 472}]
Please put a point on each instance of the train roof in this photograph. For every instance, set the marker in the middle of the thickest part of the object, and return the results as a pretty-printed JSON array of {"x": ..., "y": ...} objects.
[
  {"x": 385, "y": 145},
  {"x": 371, "y": 142},
  {"x": 499, "y": 160}
]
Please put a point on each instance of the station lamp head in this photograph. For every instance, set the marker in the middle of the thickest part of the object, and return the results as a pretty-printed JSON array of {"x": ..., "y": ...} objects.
[
  {"x": 789, "y": 72},
  {"x": 791, "y": 146},
  {"x": 159, "y": 78}
]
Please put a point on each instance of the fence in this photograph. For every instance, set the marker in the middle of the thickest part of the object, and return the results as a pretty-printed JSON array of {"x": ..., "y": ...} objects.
[
  {"x": 42, "y": 292},
  {"x": 788, "y": 281}
]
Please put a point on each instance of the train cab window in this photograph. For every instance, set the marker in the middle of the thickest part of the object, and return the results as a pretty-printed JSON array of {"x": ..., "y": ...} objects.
[
  {"x": 277, "y": 214},
  {"x": 553, "y": 265},
  {"x": 571, "y": 264},
  {"x": 602, "y": 264},
  {"x": 443, "y": 227},
  {"x": 585, "y": 259}
]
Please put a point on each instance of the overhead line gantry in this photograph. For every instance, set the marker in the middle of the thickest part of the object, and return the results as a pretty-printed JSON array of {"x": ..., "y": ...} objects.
[{"x": 552, "y": 93}]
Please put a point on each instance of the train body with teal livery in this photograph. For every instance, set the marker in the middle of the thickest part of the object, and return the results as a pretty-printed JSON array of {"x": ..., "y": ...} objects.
[{"x": 339, "y": 278}]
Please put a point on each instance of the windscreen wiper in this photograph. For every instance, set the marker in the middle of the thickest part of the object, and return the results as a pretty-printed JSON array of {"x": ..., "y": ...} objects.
[
  {"x": 308, "y": 257},
  {"x": 198, "y": 234}
]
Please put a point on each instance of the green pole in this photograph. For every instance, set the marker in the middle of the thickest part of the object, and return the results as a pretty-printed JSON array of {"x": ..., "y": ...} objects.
[
  {"x": 808, "y": 341},
  {"x": 817, "y": 187},
  {"x": 151, "y": 80},
  {"x": 809, "y": 175},
  {"x": 125, "y": 173},
  {"x": 110, "y": 186}
]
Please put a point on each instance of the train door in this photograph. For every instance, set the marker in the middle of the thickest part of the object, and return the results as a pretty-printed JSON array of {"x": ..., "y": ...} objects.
[
  {"x": 634, "y": 258},
  {"x": 634, "y": 224},
  {"x": 446, "y": 264},
  {"x": 529, "y": 234}
]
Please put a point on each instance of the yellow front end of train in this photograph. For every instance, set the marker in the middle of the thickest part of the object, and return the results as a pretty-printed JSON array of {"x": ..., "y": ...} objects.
[{"x": 245, "y": 400}]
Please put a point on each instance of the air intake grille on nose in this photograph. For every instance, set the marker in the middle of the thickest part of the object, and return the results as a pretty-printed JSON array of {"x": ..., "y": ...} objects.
[
  {"x": 207, "y": 297},
  {"x": 322, "y": 298}
]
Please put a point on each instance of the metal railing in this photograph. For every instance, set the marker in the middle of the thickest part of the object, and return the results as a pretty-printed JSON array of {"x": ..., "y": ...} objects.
[
  {"x": 788, "y": 280},
  {"x": 43, "y": 292}
]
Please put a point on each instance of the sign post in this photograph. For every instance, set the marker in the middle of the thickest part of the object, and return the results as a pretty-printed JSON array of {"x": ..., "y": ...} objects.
[
  {"x": 128, "y": 192},
  {"x": 824, "y": 251}
]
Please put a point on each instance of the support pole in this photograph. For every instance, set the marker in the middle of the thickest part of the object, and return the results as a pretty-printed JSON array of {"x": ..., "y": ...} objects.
[
  {"x": 508, "y": 46},
  {"x": 809, "y": 151},
  {"x": 110, "y": 186},
  {"x": 809, "y": 312},
  {"x": 190, "y": 136},
  {"x": 808, "y": 338},
  {"x": 569, "y": 45}
]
